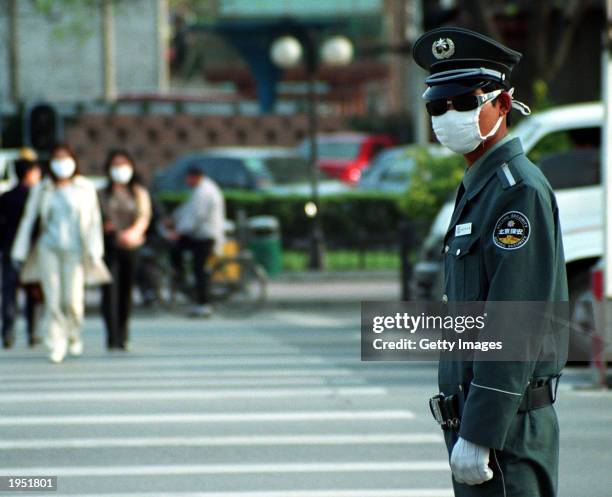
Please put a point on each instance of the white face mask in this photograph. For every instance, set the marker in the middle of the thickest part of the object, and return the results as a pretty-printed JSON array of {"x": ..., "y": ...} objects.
[
  {"x": 63, "y": 168},
  {"x": 460, "y": 131},
  {"x": 121, "y": 173}
]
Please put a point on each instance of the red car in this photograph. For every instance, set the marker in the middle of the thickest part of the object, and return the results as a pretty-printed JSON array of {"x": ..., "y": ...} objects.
[{"x": 344, "y": 155}]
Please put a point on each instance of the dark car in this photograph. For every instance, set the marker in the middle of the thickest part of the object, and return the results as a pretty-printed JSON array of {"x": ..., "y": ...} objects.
[
  {"x": 392, "y": 169},
  {"x": 277, "y": 170}
]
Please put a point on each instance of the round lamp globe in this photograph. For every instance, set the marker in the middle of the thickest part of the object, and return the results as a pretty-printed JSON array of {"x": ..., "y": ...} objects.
[
  {"x": 337, "y": 51},
  {"x": 286, "y": 52}
]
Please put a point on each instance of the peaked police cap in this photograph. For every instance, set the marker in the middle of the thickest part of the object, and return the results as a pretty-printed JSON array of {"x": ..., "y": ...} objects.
[{"x": 460, "y": 60}]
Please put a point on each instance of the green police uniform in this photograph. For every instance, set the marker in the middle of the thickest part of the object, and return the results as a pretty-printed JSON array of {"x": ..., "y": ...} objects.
[
  {"x": 504, "y": 188},
  {"x": 503, "y": 244}
]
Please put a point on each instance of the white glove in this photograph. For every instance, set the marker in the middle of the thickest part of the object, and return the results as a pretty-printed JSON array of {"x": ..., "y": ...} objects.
[{"x": 470, "y": 463}]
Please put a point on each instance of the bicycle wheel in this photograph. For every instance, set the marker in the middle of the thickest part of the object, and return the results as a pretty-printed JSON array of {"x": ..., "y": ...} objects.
[{"x": 239, "y": 285}]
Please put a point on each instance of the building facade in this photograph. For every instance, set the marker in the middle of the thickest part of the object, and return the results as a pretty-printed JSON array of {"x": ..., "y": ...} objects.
[{"x": 59, "y": 51}]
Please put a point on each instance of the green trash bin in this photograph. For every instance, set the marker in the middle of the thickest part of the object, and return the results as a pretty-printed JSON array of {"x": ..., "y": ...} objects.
[{"x": 265, "y": 243}]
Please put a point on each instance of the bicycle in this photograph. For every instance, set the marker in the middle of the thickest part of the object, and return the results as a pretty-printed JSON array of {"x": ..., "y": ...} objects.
[{"x": 238, "y": 284}]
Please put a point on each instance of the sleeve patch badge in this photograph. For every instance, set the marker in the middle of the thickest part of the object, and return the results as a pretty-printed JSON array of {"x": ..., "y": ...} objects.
[{"x": 511, "y": 231}]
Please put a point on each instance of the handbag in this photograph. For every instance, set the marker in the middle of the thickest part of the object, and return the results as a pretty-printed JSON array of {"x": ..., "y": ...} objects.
[{"x": 96, "y": 272}]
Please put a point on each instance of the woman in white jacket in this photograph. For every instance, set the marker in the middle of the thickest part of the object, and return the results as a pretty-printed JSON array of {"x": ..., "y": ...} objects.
[{"x": 60, "y": 241}]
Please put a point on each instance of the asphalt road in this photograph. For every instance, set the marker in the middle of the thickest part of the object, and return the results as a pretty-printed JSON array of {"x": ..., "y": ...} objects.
[{"x": 276, "y": 405}]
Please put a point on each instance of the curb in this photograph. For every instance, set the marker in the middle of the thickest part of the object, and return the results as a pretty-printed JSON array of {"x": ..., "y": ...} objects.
[{"x": 335, "y": 276}]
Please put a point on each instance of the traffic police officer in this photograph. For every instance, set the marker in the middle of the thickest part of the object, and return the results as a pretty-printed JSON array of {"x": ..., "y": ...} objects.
[{"x": 503, "y": 244}]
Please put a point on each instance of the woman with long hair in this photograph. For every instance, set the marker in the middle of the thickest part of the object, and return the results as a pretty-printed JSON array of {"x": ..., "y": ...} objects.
[
  {"x": 126, "y": 212},
  {"x": 60, "y": 240}
]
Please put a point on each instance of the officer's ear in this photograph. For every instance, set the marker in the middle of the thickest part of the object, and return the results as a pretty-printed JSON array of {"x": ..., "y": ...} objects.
[{"x": 504, "y": 102}]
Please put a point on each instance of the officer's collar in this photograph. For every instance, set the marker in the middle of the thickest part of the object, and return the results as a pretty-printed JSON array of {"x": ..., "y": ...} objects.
[{"x": 481, "y": 171}]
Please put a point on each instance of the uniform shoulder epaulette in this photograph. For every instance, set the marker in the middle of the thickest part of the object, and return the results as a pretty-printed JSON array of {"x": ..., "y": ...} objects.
[{"x": 509, "y": 175}]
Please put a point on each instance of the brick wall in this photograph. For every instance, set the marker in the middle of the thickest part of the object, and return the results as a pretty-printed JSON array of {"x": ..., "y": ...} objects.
[{"x": 156, "y": 140}]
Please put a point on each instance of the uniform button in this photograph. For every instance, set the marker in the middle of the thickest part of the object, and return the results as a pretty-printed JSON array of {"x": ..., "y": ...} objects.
[
  {"x": 458, "y": 251},
  {"x": 445, "y": 299},
  {"x": 446, "y": 249}
]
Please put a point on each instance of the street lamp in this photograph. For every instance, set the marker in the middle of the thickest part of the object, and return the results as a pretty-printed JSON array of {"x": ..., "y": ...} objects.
[{"x": 286, "y": 52}]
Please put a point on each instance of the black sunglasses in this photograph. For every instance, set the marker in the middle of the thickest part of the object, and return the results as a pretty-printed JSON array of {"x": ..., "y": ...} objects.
[{"x": 461, "y": 103}]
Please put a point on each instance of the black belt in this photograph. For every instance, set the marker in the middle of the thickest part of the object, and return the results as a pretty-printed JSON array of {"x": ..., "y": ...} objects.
[
  {"x": 447, "y": 409},
  {"x": 541, "y": 394}
]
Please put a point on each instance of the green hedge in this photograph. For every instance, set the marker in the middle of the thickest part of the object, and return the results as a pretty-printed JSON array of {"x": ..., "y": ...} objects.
[{"x": 346, "y": 218}]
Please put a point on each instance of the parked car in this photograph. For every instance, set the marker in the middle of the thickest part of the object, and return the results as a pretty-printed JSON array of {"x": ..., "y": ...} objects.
[
  {"x": 391, "y": 169},
  {"x": 345, "y": 155},
  {"x": 565, "y": 143},
  {"x": 275, "y": 170}
]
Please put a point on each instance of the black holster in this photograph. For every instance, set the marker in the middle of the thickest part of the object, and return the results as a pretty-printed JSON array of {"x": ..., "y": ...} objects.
[{"x": 446, "y": 410}]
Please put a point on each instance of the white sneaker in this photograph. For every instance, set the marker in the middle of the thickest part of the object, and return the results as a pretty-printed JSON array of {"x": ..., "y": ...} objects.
[
  {"x": 56, "y": 356},
  {"x": 76, "y": 348}
]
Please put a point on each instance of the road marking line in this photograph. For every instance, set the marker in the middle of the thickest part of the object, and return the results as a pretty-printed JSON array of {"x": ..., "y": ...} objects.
[
  {"x": 293, "y": 416},
  {"x": 233, "y": 373},
  {"x": 313, "y": 321},
  {"x": 256, "y": 440},
  {"x": 218, "y": 469},
  {"x": 101, "y": 364},
  {"x": 157, "y": 361},
  {"x": 415, "y": 492},
  {"x": 136, "y": 395},
  {"x": 116, "y": 384}
]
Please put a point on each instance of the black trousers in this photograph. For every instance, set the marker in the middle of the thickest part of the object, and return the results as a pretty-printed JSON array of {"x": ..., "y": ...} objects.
[
  {"x": 117, "y": 296},
  {"x": 10, "y": 284},
  {"x": 200, "y": 251}
]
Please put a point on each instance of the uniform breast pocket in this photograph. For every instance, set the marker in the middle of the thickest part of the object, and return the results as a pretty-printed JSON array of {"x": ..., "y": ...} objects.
[{"x": 465, "y": 254}]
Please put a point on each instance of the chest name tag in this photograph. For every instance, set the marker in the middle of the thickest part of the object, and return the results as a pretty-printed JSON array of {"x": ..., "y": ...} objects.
[{"x": 463, "y": 229}]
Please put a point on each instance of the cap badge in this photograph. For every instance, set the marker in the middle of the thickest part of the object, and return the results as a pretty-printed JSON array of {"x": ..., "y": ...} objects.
[{"x": 443, "y": 48}]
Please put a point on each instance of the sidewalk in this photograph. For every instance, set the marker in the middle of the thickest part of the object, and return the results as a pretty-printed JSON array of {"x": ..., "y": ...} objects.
[{"x": 337, "y": 288}]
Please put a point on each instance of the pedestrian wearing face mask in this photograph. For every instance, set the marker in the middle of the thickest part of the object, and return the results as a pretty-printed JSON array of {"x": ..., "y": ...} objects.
[
  {"x": 503, "y": 244},
  {"x": 126, "y": 212},
  {"x": 59, "y": 244}
]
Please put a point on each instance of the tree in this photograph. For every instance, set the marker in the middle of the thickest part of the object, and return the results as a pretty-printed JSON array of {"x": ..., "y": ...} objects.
[{"x": 552, "y": 26}]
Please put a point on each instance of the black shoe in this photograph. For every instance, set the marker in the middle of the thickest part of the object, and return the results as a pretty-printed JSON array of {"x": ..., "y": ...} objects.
[
  {"x": 34, "y": 341},
  {"x": 7, "y": 343}
]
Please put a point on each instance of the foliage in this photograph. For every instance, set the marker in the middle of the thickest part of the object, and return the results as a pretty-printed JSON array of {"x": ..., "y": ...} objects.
[
  {"x": 541, "y": 96},
  {"x": 434, "y": 180},
  {"x": 345, "y": 260},
  {"x": 557, "y": 142},
  {"x": 74, "y": 18},
  {"x": 348, "y": 219}
]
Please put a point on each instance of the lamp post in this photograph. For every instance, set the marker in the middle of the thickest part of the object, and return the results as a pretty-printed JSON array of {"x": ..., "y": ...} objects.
[{"x": 286, "y": 52}]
